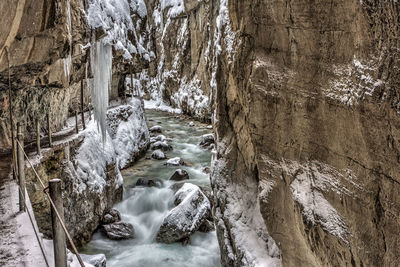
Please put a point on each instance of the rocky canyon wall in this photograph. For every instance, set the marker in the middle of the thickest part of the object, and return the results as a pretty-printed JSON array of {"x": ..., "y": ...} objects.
[{"x": 307, "y": 121}]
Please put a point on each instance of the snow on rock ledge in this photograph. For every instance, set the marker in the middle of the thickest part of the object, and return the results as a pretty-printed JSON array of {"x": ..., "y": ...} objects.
[{"x": 127, "y": 137}]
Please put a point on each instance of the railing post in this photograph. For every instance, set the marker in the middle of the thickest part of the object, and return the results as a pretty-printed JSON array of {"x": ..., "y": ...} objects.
[
  {"x": 21, "y": 167},
  {"x": 130, "y": 70},
  {"x": 82, "y": 109},
  {"x": 67, "y": 152},
  {"x": 60, "y": 249},
  {"x": 49, "y": 130},
  {"x": 76, "y": 122},
  {"x": 38, "y": 136},
  {"x": 15, "y": 162}
]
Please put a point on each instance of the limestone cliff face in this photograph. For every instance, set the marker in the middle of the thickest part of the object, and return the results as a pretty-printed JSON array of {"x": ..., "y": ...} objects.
[
  {"x": 44, "y": 40},
  {"x": 182, "y": 43},
  {"x": 307, "y": 119}
]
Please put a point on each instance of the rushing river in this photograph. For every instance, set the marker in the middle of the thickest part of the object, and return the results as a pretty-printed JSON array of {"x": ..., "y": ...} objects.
[{"x": 145, "y": 207}]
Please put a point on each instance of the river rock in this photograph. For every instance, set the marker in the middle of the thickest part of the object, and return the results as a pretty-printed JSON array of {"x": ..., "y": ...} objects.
[
  {"x": 156, "y": 129},
  {"x": 180, "y": 175},
  {"x": 192, "y": 209},
  {"x": 207, "y": 141},
  {"x": 98, "y": 260},
  {"x": 161, "y": 145},
  {"x": 160, "y": 138},
  {"x": 175, "y": 162},
  {"x": 146, "y": 183},
  {"x": 191, "y": 124},
  {"x": 111, "y": 216},
  {"x": 118, "y": 230},
  {"x": 158, "y": 154}
]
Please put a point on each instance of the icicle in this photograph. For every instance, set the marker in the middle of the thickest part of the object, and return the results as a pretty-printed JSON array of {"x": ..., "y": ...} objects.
[{"x": 101, "y": 63}]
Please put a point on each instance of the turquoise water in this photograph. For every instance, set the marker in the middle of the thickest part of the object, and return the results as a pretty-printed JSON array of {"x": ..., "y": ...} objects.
[{"x": 146, "y": 207}]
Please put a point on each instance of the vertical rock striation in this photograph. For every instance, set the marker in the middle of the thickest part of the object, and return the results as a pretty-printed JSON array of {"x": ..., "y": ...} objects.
[{"x": 307, "y": 120}]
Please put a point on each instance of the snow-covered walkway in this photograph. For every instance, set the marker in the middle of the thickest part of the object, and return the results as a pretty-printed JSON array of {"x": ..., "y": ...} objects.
[{"x": 18, "y": 244}]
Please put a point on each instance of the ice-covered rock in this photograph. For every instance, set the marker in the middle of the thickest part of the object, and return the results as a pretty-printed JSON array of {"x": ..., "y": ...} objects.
[
  {"x": 192, "y": 209},
  {"x": 158, "y": 154},
  {"x": 118, "y": 230},
  {"x": 180, "y": 175},
  {"x": 98, "y": 260},
  {"x": 111, "y": 216},
  {"x": 175, "y": 162},
  {"x": 161, "y": 145},
  {"x": 156, "y": 129},
  {"x": 191, "y": 124},
  {"x": 146, "y": 183}
]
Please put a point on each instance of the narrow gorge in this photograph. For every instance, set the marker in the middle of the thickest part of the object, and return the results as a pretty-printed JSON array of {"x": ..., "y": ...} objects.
[{"x": 201, "y": 132}]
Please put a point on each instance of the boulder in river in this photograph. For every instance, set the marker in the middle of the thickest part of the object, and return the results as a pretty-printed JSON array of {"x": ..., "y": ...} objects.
[
  {"x": 160, "y": 138},
  {"x": 207, "y": 141},
  {"x": 111, "y": 216},
  {"x": 175, "y": 162},
  {"x": 193, "y": 208},
  {"x": 97, "y": 260},
  {"x": 191, "y": 124},
  {"x": 161, "y": 145},
  {"x": 156, "y": 129},
  {"x": 158, "y": 154},
  {"x": 146, "y": 183},
  {"x": 180, "y": 175},
  {"x": 118, "y": 230}
]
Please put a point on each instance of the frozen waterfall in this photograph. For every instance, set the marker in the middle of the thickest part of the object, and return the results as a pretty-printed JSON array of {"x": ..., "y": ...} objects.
[{"x": 101, "y": 64}]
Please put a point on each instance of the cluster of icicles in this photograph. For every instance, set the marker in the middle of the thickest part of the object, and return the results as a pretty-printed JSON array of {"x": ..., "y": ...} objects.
[{"x": 101, "y": 65}]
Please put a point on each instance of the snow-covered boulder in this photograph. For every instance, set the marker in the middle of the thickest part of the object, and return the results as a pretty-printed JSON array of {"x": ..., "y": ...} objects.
[
  {"x": 175, "y": 162},
  {"x": 156, "y": 129},
  {"x": 161, "y": 145},
  {"x": 98, "y": 260},
  {"x": 191, "y": 124},
  {"x": 207, "y": 141},
  {"x": 180, "y": 175},
  {"x": 118, "y": 230},
  {"x": 158, "y": 154},
  {"x": 161, "y": 138},
  {"x": 193, "y": 208}
]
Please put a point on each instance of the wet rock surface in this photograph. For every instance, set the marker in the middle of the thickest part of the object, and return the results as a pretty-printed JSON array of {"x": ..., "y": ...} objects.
[
  {"x": 158, "y": 145},
  {"x": 145, "y": 182},
  {"x": 111, "y": 216},
  {"x": 118, "y": 230},
  {"x": 180, "y": 175}
]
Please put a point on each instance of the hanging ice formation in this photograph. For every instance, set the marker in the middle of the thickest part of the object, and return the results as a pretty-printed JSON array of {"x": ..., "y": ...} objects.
[{"x": 101, "y": 64}]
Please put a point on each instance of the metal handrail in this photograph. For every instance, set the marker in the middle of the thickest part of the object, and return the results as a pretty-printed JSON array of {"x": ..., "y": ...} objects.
[{"x": 54, "y": 208}]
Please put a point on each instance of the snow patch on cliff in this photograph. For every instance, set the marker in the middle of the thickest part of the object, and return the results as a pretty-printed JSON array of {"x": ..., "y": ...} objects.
[
  {"x": 241, "y": 215},
  {"x": 354, "y": 82}
]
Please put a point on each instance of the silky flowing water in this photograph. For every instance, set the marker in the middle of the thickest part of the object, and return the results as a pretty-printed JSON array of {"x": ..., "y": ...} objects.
[{"x": 145, "y": 207}]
